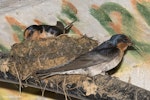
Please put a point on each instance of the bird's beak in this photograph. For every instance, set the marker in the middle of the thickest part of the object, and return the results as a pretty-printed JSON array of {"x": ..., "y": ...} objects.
[{"x": 130, "y": 43}]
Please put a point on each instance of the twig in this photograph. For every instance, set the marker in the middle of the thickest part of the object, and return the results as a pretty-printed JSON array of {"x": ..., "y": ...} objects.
[
  {"x": 64, "y": 86},
  {"x": 20, "y": 82},
  {"x": 43, "y": 90}
]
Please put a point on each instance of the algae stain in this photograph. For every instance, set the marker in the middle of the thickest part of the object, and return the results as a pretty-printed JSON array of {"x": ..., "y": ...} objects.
[
  {"x": 69, "y": 13},
  {"x": 69, "y": 10},
  {"x": 18, "y": 31},
  {"x": 103, "y": 19},
  {"x": 3, "y": 49},
  {"x": 102, "y": 14},
  {"x": 141, "y": 49},
  {"x": 144, "y": 11},
  {"x": 39, "y": 22}
]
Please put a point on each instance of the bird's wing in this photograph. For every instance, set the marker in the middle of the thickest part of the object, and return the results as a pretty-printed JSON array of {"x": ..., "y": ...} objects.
[
  {"x": 101, "y": 54},
  {"x": 83, "y": 61}
]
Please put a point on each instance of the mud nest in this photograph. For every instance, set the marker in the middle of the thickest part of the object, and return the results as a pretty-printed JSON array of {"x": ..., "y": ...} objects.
[{"x": 29, "y": 56}]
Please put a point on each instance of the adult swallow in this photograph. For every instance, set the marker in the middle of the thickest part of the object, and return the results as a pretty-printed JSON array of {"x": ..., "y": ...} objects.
[
  {"x": 34, "y": 32},
  {"x": 97, "y": 61}
]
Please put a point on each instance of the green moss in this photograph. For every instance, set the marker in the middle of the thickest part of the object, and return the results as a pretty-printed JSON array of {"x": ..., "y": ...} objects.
[
  {"x": 144, "y": 47},
  {"x": 18, "y": 31},
  {"x": 128, "y": 23},
  {"x": 69, "y": 13},
  {"x": 103, "y": 19},
  {"x": 43, "y": 23},
  {"x": 111, "y": 6},
  {"x": 102, "y": 15},
  {"x": 62, "y": 20},
  {"x": 141, "y": 49},
  {"x": 3, "y": 48},
  {"x": 144, "y": 11}
]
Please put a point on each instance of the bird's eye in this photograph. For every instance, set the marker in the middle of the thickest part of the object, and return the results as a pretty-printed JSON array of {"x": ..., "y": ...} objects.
[{"x": 125, "y": 40}]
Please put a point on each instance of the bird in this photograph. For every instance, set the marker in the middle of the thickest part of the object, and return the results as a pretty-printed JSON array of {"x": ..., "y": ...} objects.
[
  {"x": 99, "y": 60},
  {"x": 35, "y": 32}
]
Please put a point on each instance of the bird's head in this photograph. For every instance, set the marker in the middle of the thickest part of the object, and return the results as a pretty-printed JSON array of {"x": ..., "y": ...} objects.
[{"x": 120, "y": 41}]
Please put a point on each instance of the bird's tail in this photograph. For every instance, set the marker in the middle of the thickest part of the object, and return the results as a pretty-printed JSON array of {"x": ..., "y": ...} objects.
[{"x": 68, "y": 27}]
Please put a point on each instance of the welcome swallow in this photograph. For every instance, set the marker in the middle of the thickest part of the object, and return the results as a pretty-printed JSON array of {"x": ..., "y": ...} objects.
[{"x": 97, "y": 61}]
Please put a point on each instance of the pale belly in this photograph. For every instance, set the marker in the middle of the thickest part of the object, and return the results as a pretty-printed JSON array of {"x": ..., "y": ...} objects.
[
  {"x": 104, "y": 67},
  {"x": 93, "y": 70}
]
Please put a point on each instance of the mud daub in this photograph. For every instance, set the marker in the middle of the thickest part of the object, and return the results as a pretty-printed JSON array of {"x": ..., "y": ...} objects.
[{"x": 29, "y": 56}]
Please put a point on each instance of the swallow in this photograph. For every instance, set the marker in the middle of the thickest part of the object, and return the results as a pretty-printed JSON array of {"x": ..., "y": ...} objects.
[
  {"x": 34, "y": 32},
  {"x": 101, "y": 59}
]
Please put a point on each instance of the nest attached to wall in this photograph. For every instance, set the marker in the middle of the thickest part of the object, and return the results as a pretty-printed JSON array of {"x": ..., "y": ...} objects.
[{"x": 29, "y": 56}]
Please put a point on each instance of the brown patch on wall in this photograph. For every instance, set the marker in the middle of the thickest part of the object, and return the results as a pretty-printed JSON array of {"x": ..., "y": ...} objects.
[
  {"x": 38, "y": 22},
  {"x": 76, "y": 30},
  {"x": 15, "y": 38},
  {"x": 95, "y": 7},
  {"x": 140, "y": 1},
  {"x": 71, "y": 6},
  {"x": 134, "y": 2},
  {"x": 117, "y": 21},
  {"x": 13, "y": 21}
]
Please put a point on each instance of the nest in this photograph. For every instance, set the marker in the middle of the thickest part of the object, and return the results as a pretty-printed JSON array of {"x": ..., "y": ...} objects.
[{"x": 30, "y": 56}]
